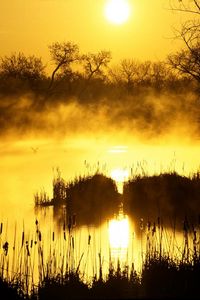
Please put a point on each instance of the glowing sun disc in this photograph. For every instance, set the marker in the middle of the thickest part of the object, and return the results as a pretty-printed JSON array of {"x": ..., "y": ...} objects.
[
  {"x": 117, "y": 11},
  {"x": 119, "y": 175}
]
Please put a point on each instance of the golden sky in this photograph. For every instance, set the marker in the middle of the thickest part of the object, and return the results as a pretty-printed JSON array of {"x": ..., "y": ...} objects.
[{"x": 31, "y": 25}]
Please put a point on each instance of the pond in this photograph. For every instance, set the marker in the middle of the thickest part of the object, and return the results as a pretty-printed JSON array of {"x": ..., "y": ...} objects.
[{"x": 29, "y": 165}]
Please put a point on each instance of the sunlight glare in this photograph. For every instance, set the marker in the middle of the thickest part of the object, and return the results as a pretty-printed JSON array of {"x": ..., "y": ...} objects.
[
  {"x": 119, "y": 175},
  {"x": 119, "y": 232},
  {"x": 117, "y": 11}
]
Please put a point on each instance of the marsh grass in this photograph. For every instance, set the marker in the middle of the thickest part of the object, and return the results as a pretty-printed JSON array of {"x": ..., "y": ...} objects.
[
  {"x": 92, "y": 198},
  {"x": 168, "y": 195},
  {"x": 165, "y": 274},
  {"x": 32, "y": 267}
]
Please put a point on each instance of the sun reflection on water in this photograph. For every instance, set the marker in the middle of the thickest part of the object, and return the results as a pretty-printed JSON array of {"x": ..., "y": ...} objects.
[
  {"x": 119, "y": 235},
  {"x": 120, "y": 176}
]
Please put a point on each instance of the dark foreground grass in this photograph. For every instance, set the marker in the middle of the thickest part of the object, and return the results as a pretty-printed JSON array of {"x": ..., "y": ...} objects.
[
  {"x": 162, "y": 276},
  {"x": 10, "y": 290},
  {"x": 117, "y": 286}
]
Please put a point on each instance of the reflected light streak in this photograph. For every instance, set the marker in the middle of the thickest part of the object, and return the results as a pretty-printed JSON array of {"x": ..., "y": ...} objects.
[
  {"x": 118, "y": 149},
  {"x": 119, "y": 232}
]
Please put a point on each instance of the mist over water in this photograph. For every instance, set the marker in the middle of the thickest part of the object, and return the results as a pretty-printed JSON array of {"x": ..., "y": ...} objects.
[
  {"x": 145, "y": 116},
  {"x": 160, "y": 133}
]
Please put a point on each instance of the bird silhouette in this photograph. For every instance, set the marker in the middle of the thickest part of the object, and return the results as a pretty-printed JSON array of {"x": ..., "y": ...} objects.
[{"x": 34, "y": 149}]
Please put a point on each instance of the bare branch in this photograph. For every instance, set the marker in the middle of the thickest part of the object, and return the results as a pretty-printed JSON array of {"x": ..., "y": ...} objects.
[{"x": 185, "y": 6}]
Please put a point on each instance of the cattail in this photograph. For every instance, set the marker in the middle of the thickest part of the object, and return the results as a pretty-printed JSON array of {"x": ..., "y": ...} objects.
[
  {"x": 31, "y": 243},
  {"x": 22, "y": 238},
  {"x": 27, "y": 249},
  {"x": 72, "y": 242},
  {"x": 53, "y": 236},
  {"x": 1, "y": 228},
  {"x": 89, "y": 239},
  {"x": 5, "y": 248},
  {"x": 36, "y": 222},
  {"x": 40, "y": 236},
  {"x": 64, "y": 235}
]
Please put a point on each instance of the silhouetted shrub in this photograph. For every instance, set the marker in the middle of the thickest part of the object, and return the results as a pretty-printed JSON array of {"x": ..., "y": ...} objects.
[
  {"x": 169, "y": 196},
  {"x": 69, "y": 286},
  {"x": 10, "y": 290},
  {"x": 93, "y": 199}
]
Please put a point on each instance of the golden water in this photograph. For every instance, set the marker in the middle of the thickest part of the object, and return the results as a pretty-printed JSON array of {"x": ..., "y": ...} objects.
[{"x": 28, "y": 166}]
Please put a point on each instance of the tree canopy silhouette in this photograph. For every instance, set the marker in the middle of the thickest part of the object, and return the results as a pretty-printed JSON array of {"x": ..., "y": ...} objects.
[
  {"x": 22, "y": 67},
  {"x": 63, "y": 54}
]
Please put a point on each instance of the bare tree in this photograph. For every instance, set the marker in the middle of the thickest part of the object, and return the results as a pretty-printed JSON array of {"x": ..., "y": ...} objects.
[
  {"x": 130, "y": 73},
  {"x": 128, "y": 69},
  {"x": 63, "y": 54},
  {"x": 160, "y": 74},
  {"x": 136, "y": 74},
  {"x": 189, "y": 32},
  {"x": 94, "y": 64},
  {"x": 187, "y": 61},
  {"x": 22, "y": 67},
  {"x": 144, "y": 73}
]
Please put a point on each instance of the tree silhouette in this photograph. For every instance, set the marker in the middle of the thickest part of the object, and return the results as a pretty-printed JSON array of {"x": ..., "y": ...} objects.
[
  {"x": 63, "y": 54},
  {"x": 21, "y": 67},
  {"x": 94, "y": 63},
  {"x": 187, "y": 61},
  {"x": 131, "y": 72},
  {"x": 129, "y": 69}
]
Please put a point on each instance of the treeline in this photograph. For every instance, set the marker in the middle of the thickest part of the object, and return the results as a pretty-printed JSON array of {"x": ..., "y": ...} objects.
[{"x": 92, "y": 75}]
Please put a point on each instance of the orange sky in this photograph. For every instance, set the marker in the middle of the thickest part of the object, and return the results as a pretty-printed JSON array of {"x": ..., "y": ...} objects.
[{"x": 31, "y": 25}]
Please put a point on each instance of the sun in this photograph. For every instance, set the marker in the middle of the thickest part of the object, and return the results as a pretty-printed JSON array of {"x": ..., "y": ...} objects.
[
  {"x": 117, "y": 11},
  {"x": 119, "y": 175}
]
